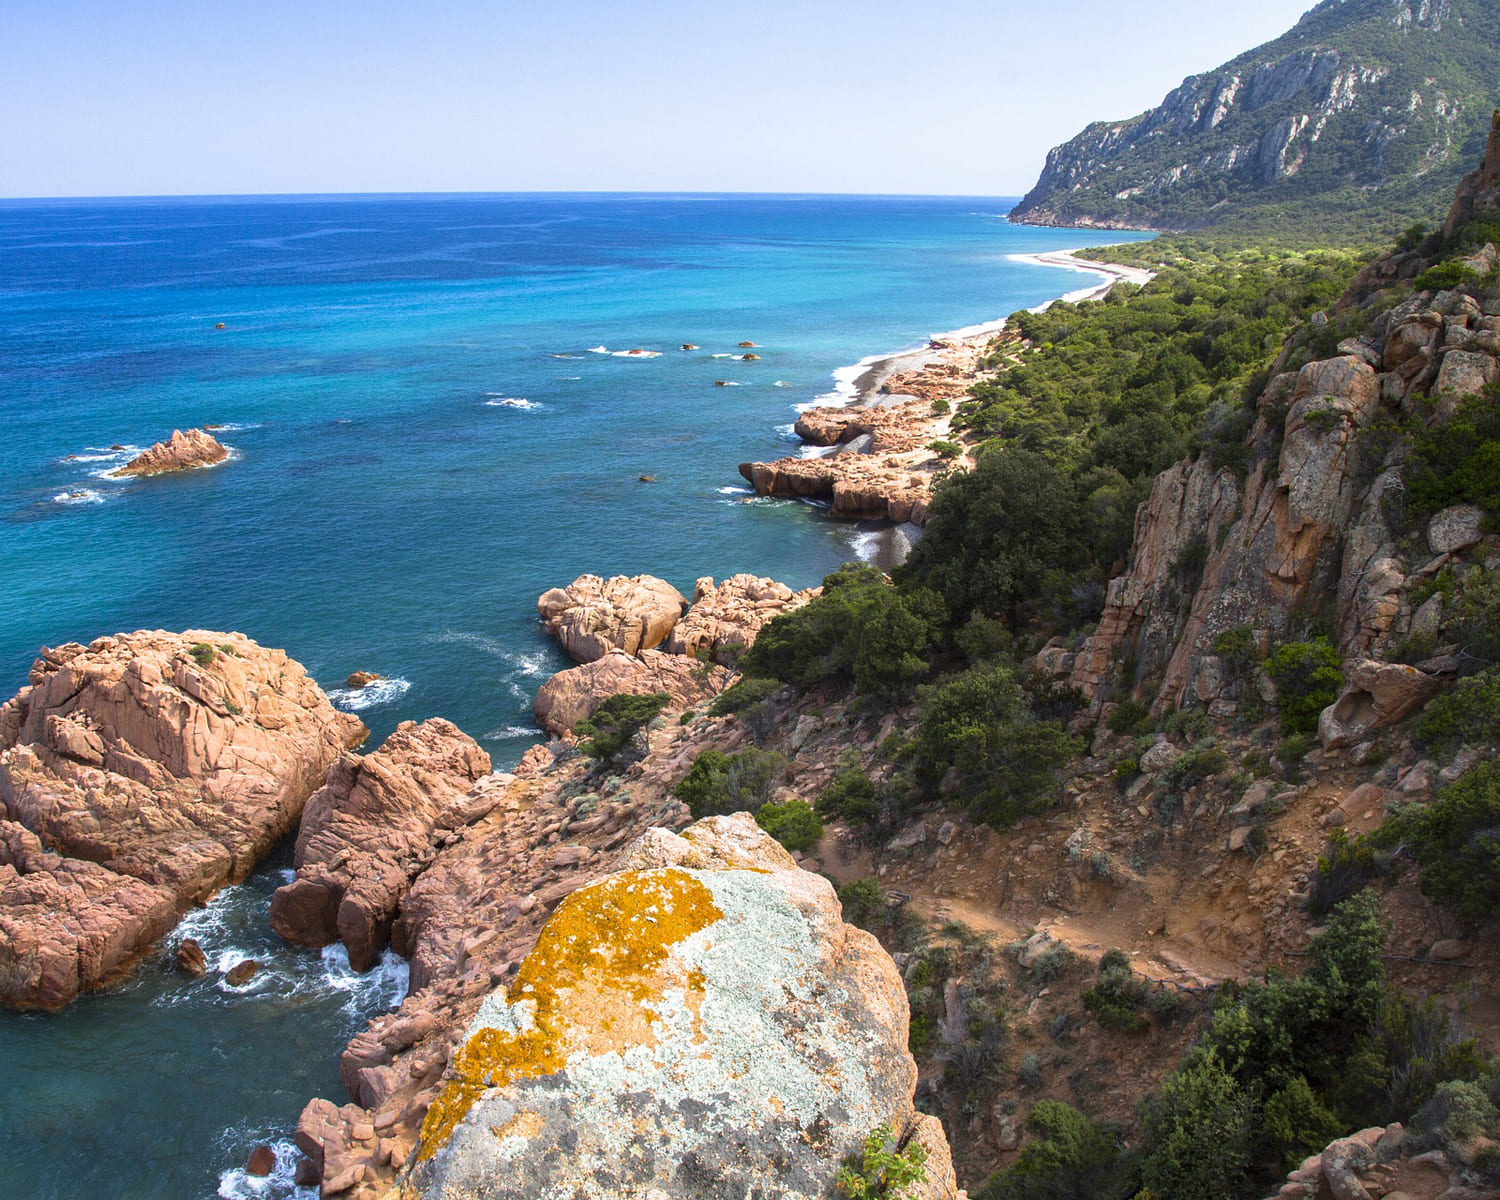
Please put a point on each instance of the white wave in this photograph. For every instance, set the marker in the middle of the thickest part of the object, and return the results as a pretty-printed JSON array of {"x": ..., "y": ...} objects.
[
  {"x": 227, "y": 960},
  {"x": 567, "y": 356},
  {"x": 788, "y": 432},
  {"x": 598, "y": 349},
  {"x": 732, "y": 490},
  {"x": 514, "y": 731},
  {"x": 280, "y": 1184},
  {"x": 723, "y": 356},
  {"x": 232, "y": 426},
  {"x": 382, "y": 691},
  {"x": 866, "y": 546},
  {"x": 725, "y": 383},
  {"x": 288, "y": 874},
  {"x": 386, "y": 982},
  {"x": 534, "y": 664},
  {"x": 102, "y": 454},
  {"x": 637, "y": 353},
  {"x": 817, "y": 451},
  {"x": 206, "y": 924},
  {"x": 511, "y": 402},
  {"x": 760, "y": 501},
  {"x": 78, "y": 496},
  {"x": 781, "y": 383}
]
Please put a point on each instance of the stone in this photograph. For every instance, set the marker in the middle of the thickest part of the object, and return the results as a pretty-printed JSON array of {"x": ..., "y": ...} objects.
[
  {"x": 1159, "y": 757},
  {"x": 242, "y": 972},
  {"x": 1455, "y": 529},
  {"x": 946, "y": 832},
  {"x": 1464, "y": 373},
  {"x": 709, "y": 991},
  {"x": 262, "y": 1161},
  {"x": 593, "y": 616},
  {"x": 1379, "y": 694},
  {"x": 369, "y": 830},
  {"x": 190, "y": 959},
  {"x": 725, "y": 618},
  {"x": 573, "y": 695},
  {"x": 180, "y": 452},
  {"x": 363, "y": 679},
  {"x": 1240, "y": 836},
  {"x": 1342, "y": 1162},
  {"x": 156, "y": 768},
  {"x": 1449, "y": 950}
]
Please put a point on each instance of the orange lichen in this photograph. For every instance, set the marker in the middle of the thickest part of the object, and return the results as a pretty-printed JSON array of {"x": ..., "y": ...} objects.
[{"x": 604, "y": 951}]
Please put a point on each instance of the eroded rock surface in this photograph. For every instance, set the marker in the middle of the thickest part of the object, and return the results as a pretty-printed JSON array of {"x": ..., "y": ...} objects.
[
  {"x": 370, "y": 829},
  {"x": 592, "y": 616},
  {"x": 572, "y": 695},
  {"x": 725, "y": 618},
  {"x": 152, "y": 769},
  {"x": 180, "y": 452},
  {"x": 708, "y": 991}
]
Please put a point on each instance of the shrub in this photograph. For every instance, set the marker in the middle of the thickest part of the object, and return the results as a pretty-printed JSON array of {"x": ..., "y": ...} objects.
[
  {"x": 1308, "y": 679},
  {"x": 1069, "y": 1155},
  {"x": 1197, "y": 1134},
  {"x": 1132, "y": 717},
  {"x": 941, "y": 407},
  {"x": 1298, "y": 1122},
  {"x": 1458, "y": 1112},
  {"x": 202, "y": 653},
  {"x": 851, "y": 796},
  {"x": 792, "y": 823},
  {"x": 1456, "y": 842},
  {"x": 863, "y": 902},
  {"x": 741, "y": 695},
  {"x": 1458, "y": 462},
  {"x": 1470, "y": 713},
  {"x": 718, "y": 784},
  {"x": 1238, "y": 651},
  {"x": 1294, "y": 748},
  {"x": 1202, "y": 761},
  {"x": 976, "y": 729},
  {"x": 704, "y": 789},
  {"x": 616, "y": 722},
  {"x": 881, "y": 1168},
  {"x": 1424, "y": 1046},
  {"x": 1345, "y": 868},
  {"x": 945, "y": 449},
  {"x": 1473, "y": 616},
  {"x": 1118, "y": 996}
]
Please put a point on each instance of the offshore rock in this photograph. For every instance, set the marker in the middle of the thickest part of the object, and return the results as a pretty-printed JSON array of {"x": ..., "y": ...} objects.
[
  {"x": 726, "y": 617},
  {"x": 152, "y": 769},
  {"x": 592, "y": 616},
  {"x": 575, "y": 694},
  {"x": 368, "y": 832},
  {"x": 710, "y": 992},
  {"x": 180, "y": 452}
]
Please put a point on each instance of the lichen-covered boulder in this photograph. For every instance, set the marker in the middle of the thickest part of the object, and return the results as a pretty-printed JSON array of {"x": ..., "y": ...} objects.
[{"x": 699, "y": 1024}]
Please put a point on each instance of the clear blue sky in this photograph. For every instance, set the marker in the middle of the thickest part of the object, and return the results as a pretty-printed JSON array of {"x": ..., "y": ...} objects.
[{"x": 125, "y": 97}]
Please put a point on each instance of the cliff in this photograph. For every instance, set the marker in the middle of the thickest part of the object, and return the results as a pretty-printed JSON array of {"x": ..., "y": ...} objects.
[{"x": 1368, "y": 107}]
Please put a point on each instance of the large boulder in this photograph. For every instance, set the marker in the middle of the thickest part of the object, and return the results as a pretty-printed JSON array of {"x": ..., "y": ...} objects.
[
  {"x": 180, "y": 452},
  {"x": 592, "y": 616},
  {"x": 370, "y": 829},
  {"x": 1379, "y": 694},
  {"x": 575, "y": 694},
  {"x": 709, "y": 992},
  {"x": 169, "y": 760},
  {"x": 726, "y": 617}
]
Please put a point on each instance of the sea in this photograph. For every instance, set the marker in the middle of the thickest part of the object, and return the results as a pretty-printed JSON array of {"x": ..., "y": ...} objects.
[{"x": 438, "y": 407}]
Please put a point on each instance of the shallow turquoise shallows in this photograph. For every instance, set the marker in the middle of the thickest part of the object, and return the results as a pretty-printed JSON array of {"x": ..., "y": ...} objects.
[{"x": 432, "y": 423}]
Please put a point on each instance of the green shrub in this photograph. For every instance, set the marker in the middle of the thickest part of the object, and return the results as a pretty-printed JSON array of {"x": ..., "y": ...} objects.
[
  {"x": 1347, "y": 866},
  {"x": 792, "y": 823},
  {"x": 705, "y": 788},
  {"x": 1069, "y": 1155},
  {"x": 851, "y": 796},
  {"x": 977, "y": 729},
  {"x": 1294, "y": 747},
  {"x": 945, "y": 449},
  {"x": 202, "y": 653},
  {"x": 1308, "y": 679},
  {"x": 881, "y": 1168},
  {"x": 1298, "y": 1122},
  {"x": 1117, "y": 998},
  {"x": 941, "y": 407},
  {"x": 1458, "y": 462},
  {"x": 863, "y": 902},
  {"x": 1424, "y": 1046},
  {"x": 1197, "y": 1134},
  {"x": 1458, "y": 1112},
  {"x": 1456, "y": 842},
  {"x": 717, "y": 783},
  {"x": 1187, "y": 722},
  {"x": 1132, "y": 717},
  {"x": 1238, "y": 651},
  {"x": 1198, "y": 764},
  {"x": 1472, "y": 616},
  {"x": 741, "y": 695},
  {"x": 616, "y": 722}
]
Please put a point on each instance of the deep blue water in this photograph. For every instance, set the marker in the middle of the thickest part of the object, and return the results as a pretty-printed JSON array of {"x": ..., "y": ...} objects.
[{"x": 386, "y": 511}]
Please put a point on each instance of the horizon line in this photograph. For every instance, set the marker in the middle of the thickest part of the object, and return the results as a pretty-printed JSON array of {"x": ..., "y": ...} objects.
[{"x": 126, "y": 197}]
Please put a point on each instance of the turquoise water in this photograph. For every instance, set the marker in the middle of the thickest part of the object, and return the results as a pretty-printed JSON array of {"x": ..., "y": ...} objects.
[{"x": 430, "y": 427}]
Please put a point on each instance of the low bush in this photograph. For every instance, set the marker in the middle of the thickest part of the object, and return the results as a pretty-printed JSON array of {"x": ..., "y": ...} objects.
[
  {"x": 863, "y": 902},
  {"x": 1308, "y": 679},
  {"x": 741, "y": 695},
  {"x": 881, "y": 1168},
  {"x": 1068, "y": 1155},
  {"x": 1119, "y": 995},
  {"x": 1347, "y": 866},
  {"x": 718, "y": 783},
  {"x": 850, "y": 797},
  {"x": 793, "y": 823},
  {"x": 202, "y": 653},
  {"x": 1456, "y": 842},
  {"x": 616, "y": 722},
  {"x": 1131, "y": 717}
]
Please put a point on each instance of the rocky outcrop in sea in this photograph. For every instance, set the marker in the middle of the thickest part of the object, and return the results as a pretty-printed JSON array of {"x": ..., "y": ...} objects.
[{"x": 180, "y": 452}]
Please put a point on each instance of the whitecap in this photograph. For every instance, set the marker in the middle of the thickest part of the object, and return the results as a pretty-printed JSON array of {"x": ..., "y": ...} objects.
[
  {"x": 232, "y": 426},
  {"x": 637, "y": 353},
  {"x": 511, "y": 402},
  {"x": 78, "y": 496},
  {"x": 598, "y": 349},
  {"x": 567, "y": 356},
  {"x": 381, "y": 691},
  {"x": 781, "y": 383},
  {"x": 280, "y": 1184},
  {"x": 723, "y": 356},
  {"x": 535, "y": 664},
  {"x": 385, "y": 984},
  {"x": 732, "y": 490},
  {"x": 788, "y": 433},
  {"x": 514, "y": 731},
  {"x": 102, "y": 454},
  {"x": 725, "y": 383}
]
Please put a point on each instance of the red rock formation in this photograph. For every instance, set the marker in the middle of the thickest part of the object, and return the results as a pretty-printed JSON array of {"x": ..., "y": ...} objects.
[
  {"x": 592, "y": 616},
  {"x": 370, "y": 829},
  {"x": 572, "y": 695},
  {"x": 180, "y": 452},
  {"x": 155, "y": 768},
  {"x": 724, "y": 619},
  {"x": 1479, "y": 191}
]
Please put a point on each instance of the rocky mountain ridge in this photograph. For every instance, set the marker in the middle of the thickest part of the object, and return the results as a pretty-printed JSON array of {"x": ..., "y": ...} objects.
[{"x": 1361, "y": 98}]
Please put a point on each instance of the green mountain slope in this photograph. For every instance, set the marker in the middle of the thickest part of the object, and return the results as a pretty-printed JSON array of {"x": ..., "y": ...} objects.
[{"x": 1356, "y": 122}]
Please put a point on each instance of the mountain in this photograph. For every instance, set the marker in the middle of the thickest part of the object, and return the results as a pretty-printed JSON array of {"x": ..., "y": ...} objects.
[{"x": 1357, "y": 121}]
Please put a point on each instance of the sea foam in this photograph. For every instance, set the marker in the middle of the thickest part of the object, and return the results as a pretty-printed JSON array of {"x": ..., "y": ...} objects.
[{"x": 372, "y": 695}]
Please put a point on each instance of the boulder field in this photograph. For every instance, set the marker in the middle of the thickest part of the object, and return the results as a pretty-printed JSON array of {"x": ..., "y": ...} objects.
[{"x": 138, "y": 775}]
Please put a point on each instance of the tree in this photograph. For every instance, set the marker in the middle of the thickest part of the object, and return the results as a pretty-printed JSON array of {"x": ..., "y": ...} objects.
[{"x": 616, "y": 722}]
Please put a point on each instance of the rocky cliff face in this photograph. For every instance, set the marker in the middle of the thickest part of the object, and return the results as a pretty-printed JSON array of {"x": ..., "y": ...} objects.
[
  {"x": 708, "y": 991},
  {"x": 1360, "y": 94},
  {"x": 138, "y": 775}
]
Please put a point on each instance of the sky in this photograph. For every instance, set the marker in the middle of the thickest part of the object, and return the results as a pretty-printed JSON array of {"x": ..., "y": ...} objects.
[{"x": 959, "y": 97}]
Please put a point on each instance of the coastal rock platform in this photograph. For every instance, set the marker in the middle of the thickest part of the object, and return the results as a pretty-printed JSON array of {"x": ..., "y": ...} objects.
[{"x": 139, "y": 775}]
